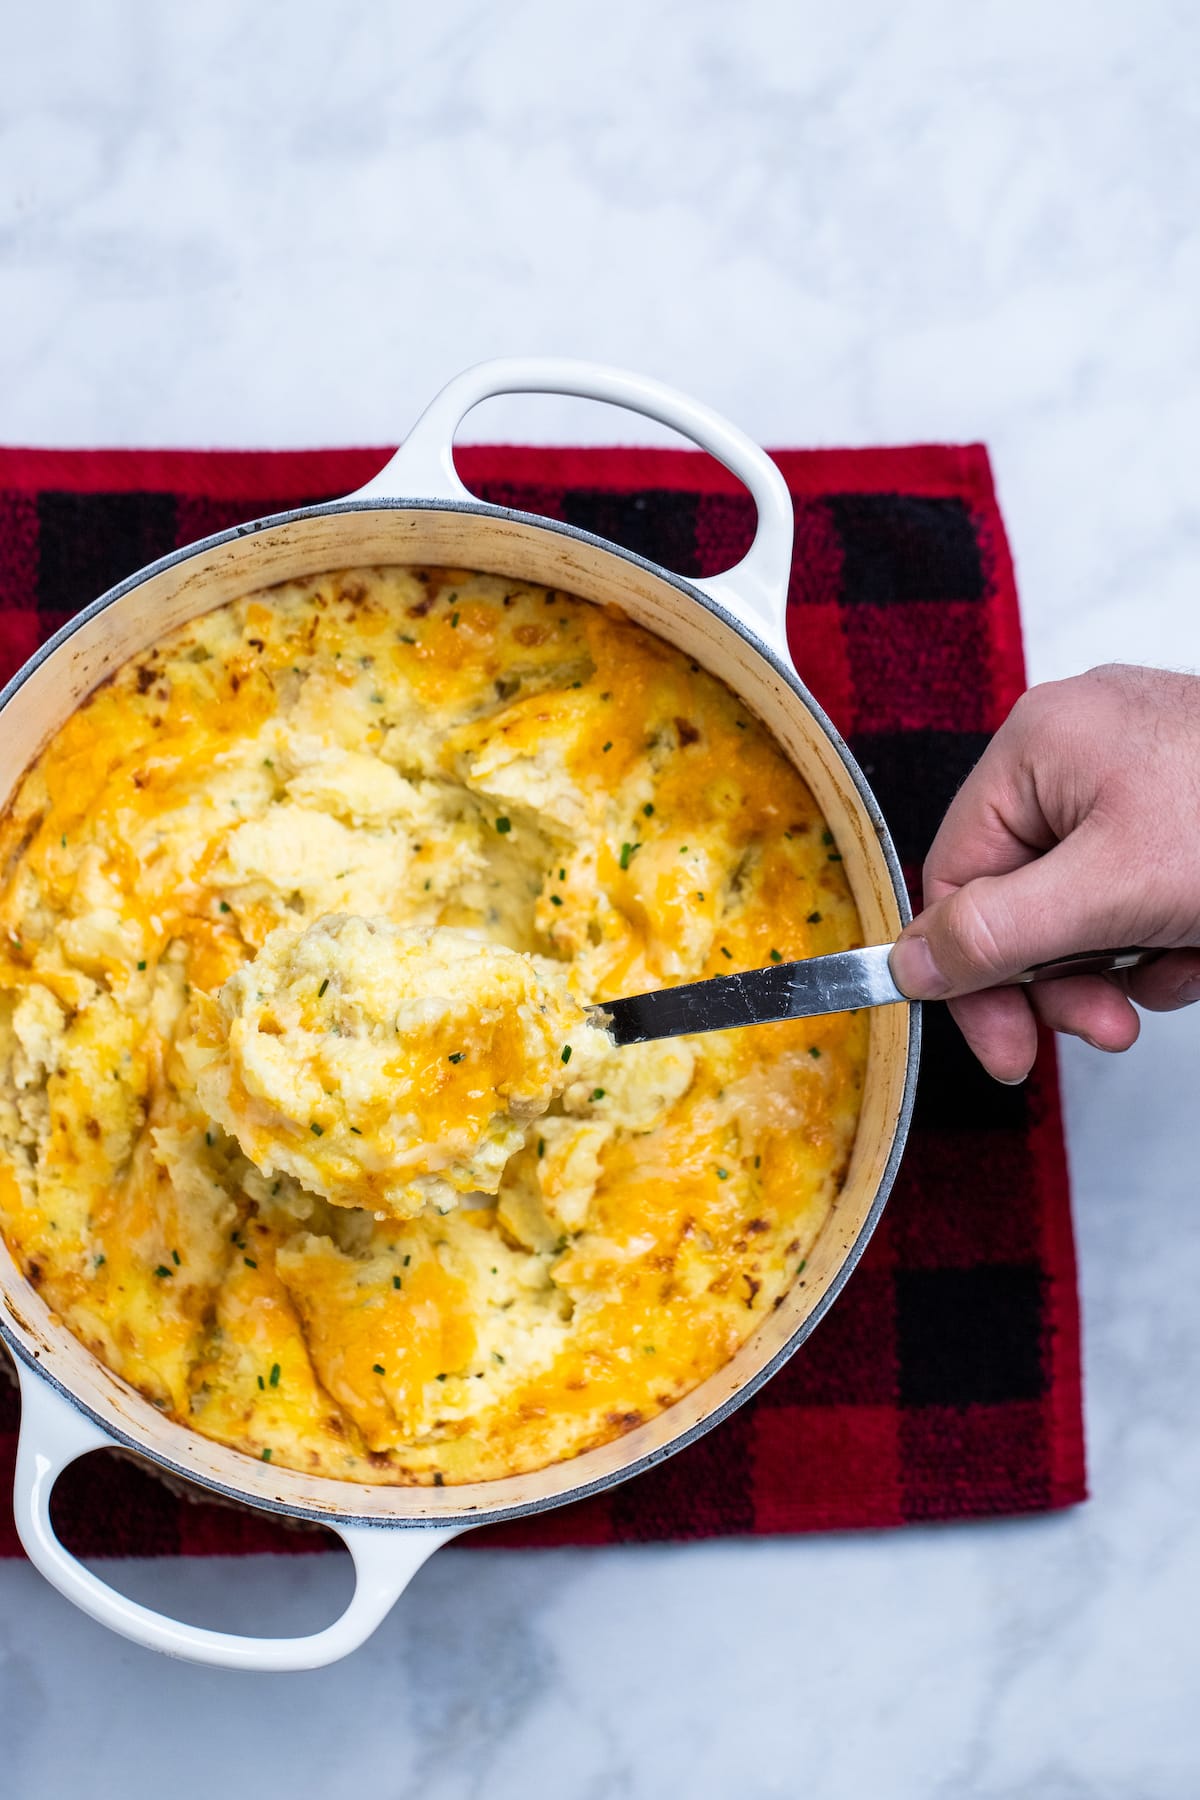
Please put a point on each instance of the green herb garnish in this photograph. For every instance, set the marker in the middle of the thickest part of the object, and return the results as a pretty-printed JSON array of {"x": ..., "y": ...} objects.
[
  {"x": 566, "y": 1054},
  {"x": 323, "y": 986},
  {"x": 275, "y": 1373},
  {"x": 503, "y": 825}
]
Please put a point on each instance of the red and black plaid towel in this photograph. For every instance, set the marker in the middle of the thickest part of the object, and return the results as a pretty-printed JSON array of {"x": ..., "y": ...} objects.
[{"x": 945, "y": 1382}]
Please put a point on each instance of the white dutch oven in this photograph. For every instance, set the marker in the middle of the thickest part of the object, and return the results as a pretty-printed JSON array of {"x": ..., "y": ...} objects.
[{"x": 417, "y": 511}]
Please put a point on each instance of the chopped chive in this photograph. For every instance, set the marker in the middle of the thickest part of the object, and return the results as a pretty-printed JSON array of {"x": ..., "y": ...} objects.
[
  {"x": 648, "y": 1350},
  {"x": 141, "y": 965},
  {"x": 722, "y": 1174},
  {"x": 224, "y": 906},
  {"x": 813, "y": 1051},
  {"x": 266, "y": 1455},
  {"x": 562, "y": 874},
  {"x": 405, "y": 639},
  {"x": 628, "y": 851},
  {"x": 503, "y": 825},
  {"x": 758, "y": 1162},
  {"x": 834, "y": 856},
  {"x": 648, "y": 809},
  {"x": 556, "y": 899},
  {"x": 407, "y": 1260},
  {"x": 322, "y": 987},
  {"x": 566, "y": 1055},
  {"x": 262, "y": 1384},
  {"x": 275, "y": 1372},
  {"x": 683, "y": 849},
  {"x": 439, "y": 1378},
  {"x": 100, "y": 1261},
  {"x": 728, "y": 954},
  {"x": 64, "y": 840},
  {"x": 356, "y": 1131},
  {"x": 396, "y": 1281},
  {"x": 496, "y": 1356},
  {"x": 814, "y": 918},
  {"x": 175, "y": 1258},
  {"x": 208, "y": 1139},
  {"x": 827, "y": 838},
  {"x": 267, "y": 763},
  {"x": 249, "y": 1262},
  {"x": 699, "y": 893},
  {"x": 456, "y": 1056},
  {"x": 454, "y": 621},
  {"x": 597, "y": 1093},
  {"x": 317, "y": 1130},
  {"x": 775, "y": 956},
  {"x": 162, "y": 1270},
  {"x": 541, "y": 1148},
  {"x": 379, "y": 1368},
  {"x": 608, "y": 747},
  {"x": 802, "y": 1266},
  {"x": 377, "y": 698}
]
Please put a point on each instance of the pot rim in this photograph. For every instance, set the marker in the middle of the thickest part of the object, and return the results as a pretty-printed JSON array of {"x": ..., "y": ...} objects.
[{"x": 123, "y": 1439}]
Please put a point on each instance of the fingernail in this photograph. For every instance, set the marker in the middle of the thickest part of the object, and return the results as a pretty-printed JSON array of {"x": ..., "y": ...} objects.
[
  {"x": 915, "y": 972},
  {"x": 1190, "y": 991},
  {"x": 1010, "y": 1080}
]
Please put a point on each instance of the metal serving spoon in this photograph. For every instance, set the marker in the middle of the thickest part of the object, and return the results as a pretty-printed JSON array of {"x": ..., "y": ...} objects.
[{"x": 802, "y": 990}]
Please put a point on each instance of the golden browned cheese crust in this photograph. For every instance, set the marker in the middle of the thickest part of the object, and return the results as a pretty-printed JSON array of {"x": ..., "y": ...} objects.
[{"x": 436, "y": 749}]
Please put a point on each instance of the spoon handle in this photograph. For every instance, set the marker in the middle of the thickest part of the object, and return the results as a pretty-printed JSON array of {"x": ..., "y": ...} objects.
[{"x": 798, "y": 990}]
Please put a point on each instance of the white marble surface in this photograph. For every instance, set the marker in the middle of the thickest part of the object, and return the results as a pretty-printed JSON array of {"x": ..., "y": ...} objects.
[{"x": 286, "y": 224}]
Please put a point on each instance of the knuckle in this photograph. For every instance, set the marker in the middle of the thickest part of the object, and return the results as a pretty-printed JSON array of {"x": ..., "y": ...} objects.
[{"x": 969, "y": 937}]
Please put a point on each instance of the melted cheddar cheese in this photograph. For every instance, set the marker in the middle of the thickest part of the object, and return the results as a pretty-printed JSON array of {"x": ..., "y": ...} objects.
[
  {"x": 386, "y": 1068},
  {"x": 434, "y": 752}
]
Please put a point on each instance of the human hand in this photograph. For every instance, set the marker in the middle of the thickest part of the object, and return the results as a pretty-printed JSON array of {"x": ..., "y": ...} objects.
[{"x": 1078, "y": 829}]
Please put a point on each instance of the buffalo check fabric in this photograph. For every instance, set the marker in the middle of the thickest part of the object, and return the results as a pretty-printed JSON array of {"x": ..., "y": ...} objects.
[{"x": 945, "y": 1383}]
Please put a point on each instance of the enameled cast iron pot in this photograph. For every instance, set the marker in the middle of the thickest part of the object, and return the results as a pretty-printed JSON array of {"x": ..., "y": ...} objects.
[{"x": 417, "y": 511}]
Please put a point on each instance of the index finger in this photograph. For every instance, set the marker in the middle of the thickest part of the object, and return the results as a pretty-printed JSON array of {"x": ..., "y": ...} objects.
[{"x": 994, "y": 824}]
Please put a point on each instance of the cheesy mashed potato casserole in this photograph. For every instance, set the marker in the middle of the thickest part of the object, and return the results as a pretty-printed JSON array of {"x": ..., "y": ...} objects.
[
  {"x": 303, "y": 1129},
  {"x": 386, "y": 1068}
]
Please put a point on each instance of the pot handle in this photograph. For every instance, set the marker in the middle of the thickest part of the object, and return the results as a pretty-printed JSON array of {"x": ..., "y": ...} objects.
[
  {"x": 54, "y": 1433},
  {"x": 754, "y": 590}
]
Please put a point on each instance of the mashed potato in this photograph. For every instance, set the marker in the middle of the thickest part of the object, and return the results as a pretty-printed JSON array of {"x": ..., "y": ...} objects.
[
  {"x": 281, "y": 794},
  {"x": 385, "y": 1068}
]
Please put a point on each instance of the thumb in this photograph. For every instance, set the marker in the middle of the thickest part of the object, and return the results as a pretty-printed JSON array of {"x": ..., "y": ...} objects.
[{"x": 992, "y": 928}]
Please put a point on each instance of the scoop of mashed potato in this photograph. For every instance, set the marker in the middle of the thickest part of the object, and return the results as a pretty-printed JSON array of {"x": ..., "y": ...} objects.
[{"x": 387, "y": 1068}]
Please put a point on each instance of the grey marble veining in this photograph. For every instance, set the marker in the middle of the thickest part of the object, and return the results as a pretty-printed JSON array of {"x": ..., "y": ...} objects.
[{"x": 278, "y": 224}]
